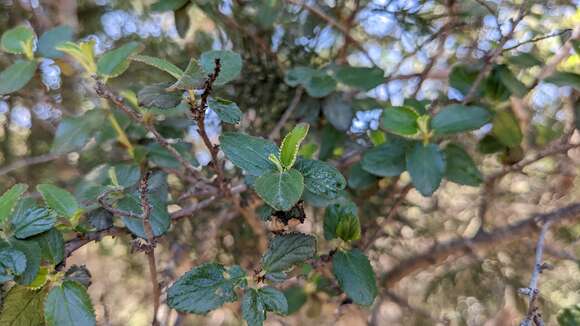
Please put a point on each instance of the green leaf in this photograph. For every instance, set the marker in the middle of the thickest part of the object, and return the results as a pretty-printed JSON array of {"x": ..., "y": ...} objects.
[
  {"x": 338, "y": 112},
  {"x": 227, "y": 111},
  {"x": 157, "y": 96},
  {"x": 32, "y": 253},
  {"x": 400, "y": 120},
  {"x": 23, "y": 307},
  {"x": 321, "y": 178},
  {"x": 489, "y": 145},
  {"x": 363, "y": 78},
  {"x": 182, "y": 20},
  {"x": 52, "y": 38},
  {"x": 494, "y": 88},
  {"x": 193, "y": 77},
  {"x": 359, "y": 178},
  {"x": 205, "y": 288},
  {"x": 510, "y": 81},
  {"x": 248, "y": 153},
  {"x": 9, "y": 199},
  {"x": 162, "y": 157},
  {"x": 564, "y": 78},
  {"x": 51, "y": 245},
  {"x": 73, "y": 133},
  {"x": 385, "y": 160},
  {"x": 525, "y": 60},
  {"x": 83, "y": 52},
  {"x": 348, "y": 228},
  {"x": 168, "y": 5},
  {"x": 274, "y": 300},
  {"x": 320, "y": 85},
  {"x": 16, "y": 76},
  {"x": 506, "y": 128},
  {"x": 291, "y": 144},
  {"x": 426, "y": 165},
  {"x": 34, "y": 221},
  {"x": 69, "y": 305},
  {"x": 287, "y": 250},
  {"x": 13, "y": 40},
  {"x": 12, "y": 263},
  {"x": 60, "y": 200},
  {"x": 231, "y": 65},
  {"x": 333, "y": 214},
  {"x": 463, "y": 76},
  {"x": 281, "y": 190},
  {"x": 355, "y": 276},
  {"x": 253, "y": 308},
  {"x": 115, "y": 62},
  {"x": 460, "y": 168},
  {"x": 159, "y": 219},
  {"x": 299, "y": 76},
  {"x": 459, "y": 118},
  {"x": 569, "y": 316},
  {"x": 160, "y": 64},
  {"x": 296, "y": 298}
]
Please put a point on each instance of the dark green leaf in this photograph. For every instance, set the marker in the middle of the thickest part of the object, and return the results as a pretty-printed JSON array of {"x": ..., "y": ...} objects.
[
  {"x": 12, "y": 263},
  {"x": 73, "y": 133},
  {"x": 253, "y": 308},
  {"x": 525, "y": 60},
  {"x": 9, "y": 199},
  {"x": 60, "y": 200},
  {"x": 248, "y": 153},
  {"x": 115, "y": 62},
  {"x": 205, "y": 288},
  {"x": 359, "y": 178},
  {"x": 320, "y": 85},
  {"x": 163, "y": 158},
  {"x": 355, "y": 276},
  {"x": 192, "y": 77},
  {"x": 386, "y": 160},
  {"x": 79, "y": 274},
  {"x": 338, "y": 112},
  {"x": 460, "y": 168},
  {"x": 52, "y": 38},
  {"x": 506, "y": 128},
  {"x": 168, "y": 5},
  {"x": 363, "y": 78},
  {"x": 51, "y": 245},
  {"x": 274, "y": 300},
  {"x": 296, "y": 298},
  {"x": 299, "y": 76},
  {"x": 32, "y": 253},
  {"x": 459, "y": 118},
  {"x": 489, "y": 145},
  {"x": 33, "y": 222},
  {"x": 23, "y": 307},
  {"x": 400, "y": 120},
  {"x": 426, "y": 165},
  {"x": 321, "y": 178},
  {"x": 12, "y": 39},
  {"x": 286, "y": 250},
  {"x": 281, "y": 190},
  {"x": 231, "y": 65},
  {"x": 462, "y": 77},
  {"x": 100, "y": 219},
  {"x": 334, "y": 214},
  {"x": 564, "y": 78},
  {"x": 182, "y": 20},
  {"x": 510, "y": 81},
  {"x": 16, "y": 76},
  {"x": 157, "y": 96},
  {"x": 69, "y": 304},
  {"x": 494, "y": 87},
  {"x": 569, "y": 316},
  {"x": 227, "y": 111}
]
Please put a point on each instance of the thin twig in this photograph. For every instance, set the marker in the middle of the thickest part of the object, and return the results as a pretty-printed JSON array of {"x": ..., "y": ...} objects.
[
  {"x": 534, "y": 40},
  {"x": 533, "y": 291},
  {"x": 151, "y": 243},
  {"x": 30, "y": 161},
  {"x": 275, "y": 133}
]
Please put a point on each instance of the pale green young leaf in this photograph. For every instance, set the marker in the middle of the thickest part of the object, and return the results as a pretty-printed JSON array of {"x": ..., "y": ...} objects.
[
  {"x": 82, "y": 52},
  {"x": 23, "y": 307},
  {"x": 291, "y": 144}
]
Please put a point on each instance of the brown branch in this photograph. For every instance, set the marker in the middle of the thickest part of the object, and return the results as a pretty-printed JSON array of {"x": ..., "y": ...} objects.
[
  {"x": 532, "y": 290},
  {"x": 275, "y": 133},
  {"x": 438, "y": 253},
  {"x": 151, "y": 243},
  {"x": 30, "y": 161},
  {"x": 332, "y": 22},
  {"x": 106, "y": 93}
]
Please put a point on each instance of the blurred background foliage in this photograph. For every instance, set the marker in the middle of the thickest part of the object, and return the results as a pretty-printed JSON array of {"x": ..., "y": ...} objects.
[{"x": 419, "y": 46}]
